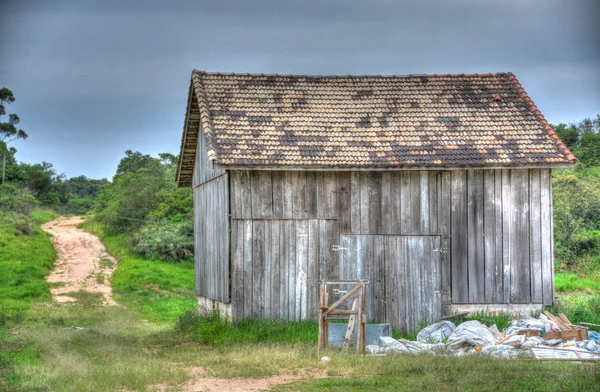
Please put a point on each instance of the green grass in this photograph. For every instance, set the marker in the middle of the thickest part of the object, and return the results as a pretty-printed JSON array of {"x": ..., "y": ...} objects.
[
  {"x": 214, "y": 331},
  {"x": 426, "y": 373},
  {"x": 158, "y": 290},
  {"x": 24, "y": 263},
  {"x": 566, "y": 282},
  {"x": 579, "y": 307}
]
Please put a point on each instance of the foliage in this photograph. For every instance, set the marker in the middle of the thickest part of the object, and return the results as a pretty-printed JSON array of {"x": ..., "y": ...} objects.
[
  {"x": 165, "y": 241},
  {"x": 18, "y": 200},
  {"x": 144, "y": 203},
  {"x": 8, "y": 130},
  {"x": 579, "y": 308}
]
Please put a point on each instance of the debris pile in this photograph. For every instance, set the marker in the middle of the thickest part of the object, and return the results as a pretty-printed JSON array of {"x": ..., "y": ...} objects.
[{"x": 546, "y": 337}]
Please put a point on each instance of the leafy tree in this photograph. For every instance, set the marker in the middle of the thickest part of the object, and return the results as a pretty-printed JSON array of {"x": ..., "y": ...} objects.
[
  {"x": 134, "y": 161},
  {"x": 569, "y": 134},
  {"x": 8, "y": 130}
]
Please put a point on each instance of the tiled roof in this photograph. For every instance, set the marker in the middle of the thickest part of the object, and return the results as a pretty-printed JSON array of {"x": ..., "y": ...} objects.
[{"x": 428, "y": 121}]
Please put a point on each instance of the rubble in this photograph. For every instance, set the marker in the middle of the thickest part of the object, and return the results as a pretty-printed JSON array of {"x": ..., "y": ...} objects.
[{"x": 547, "y": 337}]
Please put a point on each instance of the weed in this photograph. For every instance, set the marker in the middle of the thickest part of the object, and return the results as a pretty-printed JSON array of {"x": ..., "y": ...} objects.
[
  {"x": 100, "y": 278},
  {"x": 106, "y": 263}
]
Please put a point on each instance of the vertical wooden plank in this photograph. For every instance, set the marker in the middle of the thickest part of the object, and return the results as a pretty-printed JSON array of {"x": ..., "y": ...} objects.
[
  {"x": 284, "y": 268},
  {"x": 405, "y": 197},
  {"x": 434, "y": 191},
  {"x": 437, "y": 309},
  {"x": 364, "y": 264},
  {"x": 396, "y": 205},
  {"x": 299, "y": 194},
  {"x": 248, "y": 268},
  {"x": 459, "y": 257},
  {"x": 377, "y": 280},
  {"x": 476, "y": 274},
  {"x": 424, "y": 206},
  {"x": 364, "y": 202},
  {"x": 332, "y": 258},
  {"x": 277, "y": 183},
  {"x": 312, "y": 280},
  {"x": 241, "y": 194},
  {"x": 355, "y": 202},
  {"x": 288, "y": 195},
  {"x": 391, "y": 272},
  {"x": 445, "y": 203},
  {"x": 301, "y": 269},
  {"x": 311, "y": 195},
  {"x": 330, "y": 202},
  {"x": 386, "y": 203},
  {"x": 262, "y": 195},
  {"x": 258, "y": 268},
  {"x": 410, "y": 314},
  {"x": 292, "y": 271},
  {"x": 375, "y": 199},
  {"x": 499, "y": 267},
  {"x": 275, "y": 271},
  {"x": 535, "y": 238},
  {"x": 489, "y": 232},
  {"x": 237, "y": 270},
  {"x": 546, "y": 234},
  {"x": 415, "y": 201},
  {"x": 268, "y": 269},
  {"x": 506, "y": 233},
  {"x": 320, "y": 195},
  {"x": 344, "y": 202},
  {"x": 519, "y": 240}
]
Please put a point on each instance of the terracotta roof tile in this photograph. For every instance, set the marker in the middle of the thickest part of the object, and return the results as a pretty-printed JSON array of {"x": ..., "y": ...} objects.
[{"x": 366, "y": 121}]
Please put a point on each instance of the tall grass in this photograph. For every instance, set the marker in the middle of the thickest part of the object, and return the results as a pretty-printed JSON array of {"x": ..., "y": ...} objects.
[{"x": 214, "y": 331}]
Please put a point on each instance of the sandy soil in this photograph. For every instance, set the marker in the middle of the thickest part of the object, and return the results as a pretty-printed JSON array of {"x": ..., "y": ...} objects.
[
  {"x": 83, "y": 263},
  {"x": 201, "y": 382}
]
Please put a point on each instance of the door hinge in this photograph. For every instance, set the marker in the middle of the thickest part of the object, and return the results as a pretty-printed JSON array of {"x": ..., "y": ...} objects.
[
  {"x": 337, "y": 248},
  {"x": 442, "y": 250}
]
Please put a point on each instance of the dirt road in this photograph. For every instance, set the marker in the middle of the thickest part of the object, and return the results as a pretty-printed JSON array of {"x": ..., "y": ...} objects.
[{"x": 83, "y": 263}]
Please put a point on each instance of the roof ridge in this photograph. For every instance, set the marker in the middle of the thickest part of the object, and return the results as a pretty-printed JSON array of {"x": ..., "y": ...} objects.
[
  {"x": 490, "y": 74},
  {"x": 551, "y": 132}
]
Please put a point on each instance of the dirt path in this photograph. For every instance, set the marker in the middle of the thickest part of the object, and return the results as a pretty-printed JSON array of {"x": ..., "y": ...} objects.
[{"x": 83, "y": 263}]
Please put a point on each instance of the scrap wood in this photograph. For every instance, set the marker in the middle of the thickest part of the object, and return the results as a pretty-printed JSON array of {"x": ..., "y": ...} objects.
[
  {"x": 591, "y": 324},
  {"x": 558, "y": 321},
  {"x": 506, "y": 338},
  {"x": 351, "y": 325},
  {"x": 566, "y": 321}
]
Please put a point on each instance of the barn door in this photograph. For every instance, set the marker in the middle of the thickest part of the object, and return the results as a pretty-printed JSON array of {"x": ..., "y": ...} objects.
[{"x": 404, "y": 274}]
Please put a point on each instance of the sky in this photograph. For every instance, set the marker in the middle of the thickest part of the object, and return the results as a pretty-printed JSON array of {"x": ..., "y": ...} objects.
[{"x": 95, "y": 78}]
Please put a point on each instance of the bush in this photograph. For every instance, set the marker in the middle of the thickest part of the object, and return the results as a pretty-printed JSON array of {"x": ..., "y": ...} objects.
[
  {"x": 18, "y": 200},
  {"x": 165, "y": 241}
]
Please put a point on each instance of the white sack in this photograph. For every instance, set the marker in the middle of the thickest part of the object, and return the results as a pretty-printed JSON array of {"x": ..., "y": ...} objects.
[
  {"x": 471, "y": 333},
  {"x": 436, "y": 333}
]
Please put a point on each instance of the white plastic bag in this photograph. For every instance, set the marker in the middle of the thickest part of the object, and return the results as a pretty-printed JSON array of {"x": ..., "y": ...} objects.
[
  {"x": 533, "y": 341},
  {"x": 471, "y": 333},
  {"x": 391, "y": 344},
  {"x": 436, "y": 333},
  {"x": 501, "y": 351}
]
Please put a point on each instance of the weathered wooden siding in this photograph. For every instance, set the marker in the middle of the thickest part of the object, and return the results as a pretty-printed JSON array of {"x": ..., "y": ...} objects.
[
  {"x": 494, "y": 247},
  {"x": 204, "y": 170},
  {"x": 211, "y": 234}
]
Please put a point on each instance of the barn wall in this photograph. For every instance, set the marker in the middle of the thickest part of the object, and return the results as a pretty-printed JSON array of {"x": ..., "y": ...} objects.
[
  {"x": 211, "y": 239},
  {"x": 204, "y": 169},
  {"x": 494, "y": 227}
]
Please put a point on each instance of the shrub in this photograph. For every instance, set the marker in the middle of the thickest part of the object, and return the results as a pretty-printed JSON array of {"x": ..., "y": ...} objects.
[
  {"x": 165, "y": 241},
  {"x": 19, "y": 200}
]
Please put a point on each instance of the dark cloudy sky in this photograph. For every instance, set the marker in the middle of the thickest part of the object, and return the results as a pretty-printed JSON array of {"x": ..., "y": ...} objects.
[{"x": 93, "y": 79}]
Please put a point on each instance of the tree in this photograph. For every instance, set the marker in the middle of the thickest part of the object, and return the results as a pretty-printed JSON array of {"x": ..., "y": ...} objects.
[{"x": 8, "y": 130}]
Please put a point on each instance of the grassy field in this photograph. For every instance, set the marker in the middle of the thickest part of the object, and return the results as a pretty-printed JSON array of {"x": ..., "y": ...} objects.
[
  {"x": 156, "y": 342},
  {"x": 159, "y": 291},
  {"x": 24, "y": 262}
]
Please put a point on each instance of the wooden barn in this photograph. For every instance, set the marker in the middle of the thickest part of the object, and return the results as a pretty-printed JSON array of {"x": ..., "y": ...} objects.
[{"x": 435, "y": 188}]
